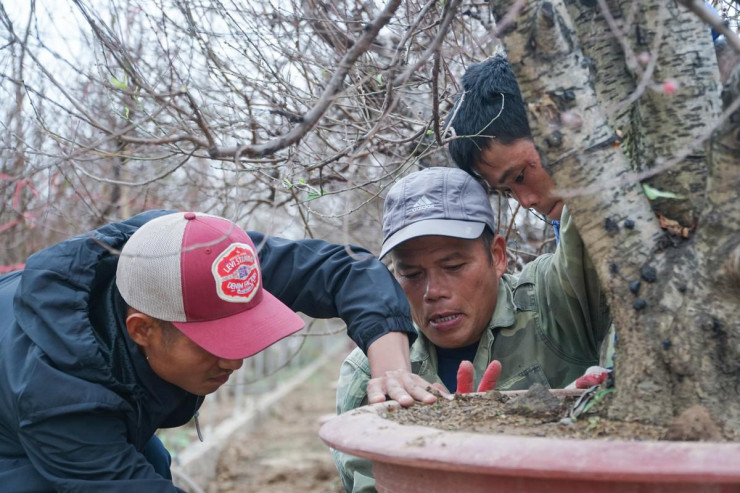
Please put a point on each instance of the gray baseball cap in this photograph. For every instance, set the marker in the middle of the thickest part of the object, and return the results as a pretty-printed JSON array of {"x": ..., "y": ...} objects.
[{"x": 435, "y": 201}]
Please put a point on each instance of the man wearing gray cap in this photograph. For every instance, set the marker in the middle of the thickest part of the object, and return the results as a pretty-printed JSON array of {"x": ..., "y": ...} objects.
[{"x": 544, "y": 325}]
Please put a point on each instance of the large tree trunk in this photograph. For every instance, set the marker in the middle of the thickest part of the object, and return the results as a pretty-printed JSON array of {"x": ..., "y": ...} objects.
[
  {"x": 678, "y": 336},
  {"x": 637, "y": 50}
]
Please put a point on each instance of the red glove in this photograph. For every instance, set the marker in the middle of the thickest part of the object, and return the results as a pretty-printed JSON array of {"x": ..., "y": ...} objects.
[
  {"x": 488, "y": 382},
  {"x": 589, "y": 380}
]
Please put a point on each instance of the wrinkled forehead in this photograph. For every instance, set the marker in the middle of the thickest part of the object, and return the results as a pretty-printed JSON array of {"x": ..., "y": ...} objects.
[{"x": 434, "y": 249}]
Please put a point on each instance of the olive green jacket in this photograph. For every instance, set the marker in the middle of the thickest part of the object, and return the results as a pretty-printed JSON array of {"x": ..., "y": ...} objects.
[{"x": 547, "y": 328}]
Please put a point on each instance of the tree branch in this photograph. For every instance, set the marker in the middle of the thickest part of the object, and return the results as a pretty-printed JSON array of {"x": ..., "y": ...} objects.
[{"x": 311, "y": 117}]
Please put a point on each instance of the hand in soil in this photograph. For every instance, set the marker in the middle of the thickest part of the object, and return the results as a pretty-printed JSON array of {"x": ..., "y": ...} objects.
[
  {"x": 465, "y": 377},
  {"x": 401, "y": 386}
]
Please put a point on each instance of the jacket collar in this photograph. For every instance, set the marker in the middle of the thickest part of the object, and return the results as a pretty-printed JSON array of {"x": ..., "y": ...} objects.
[{"x": 504, "y": 315}]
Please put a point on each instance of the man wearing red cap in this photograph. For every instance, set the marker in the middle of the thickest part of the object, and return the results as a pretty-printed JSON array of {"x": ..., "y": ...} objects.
[{"x": 110, "y": 335}]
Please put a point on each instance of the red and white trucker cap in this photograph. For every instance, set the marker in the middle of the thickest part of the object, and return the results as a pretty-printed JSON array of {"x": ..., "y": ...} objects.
[{"x": 202, "y": 273}]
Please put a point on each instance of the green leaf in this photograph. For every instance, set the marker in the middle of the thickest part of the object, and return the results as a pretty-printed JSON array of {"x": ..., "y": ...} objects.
[
  {"x": 654, "y": 193},
  {"x": 126, "y": 112},
  {"x": 118, "y": 84},
  {"x": 314, "y": 193},
  {"x": 598, "y": 397},
  {"x": 430, "y": 132},
  {"x": 379, "y": 78}
]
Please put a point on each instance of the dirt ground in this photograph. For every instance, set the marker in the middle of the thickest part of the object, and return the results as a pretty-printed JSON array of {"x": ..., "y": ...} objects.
[{"x": 284, "y": 453}]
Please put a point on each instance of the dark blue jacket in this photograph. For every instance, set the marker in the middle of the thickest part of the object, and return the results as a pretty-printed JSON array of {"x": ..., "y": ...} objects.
[{"x": 78, "y": 401}]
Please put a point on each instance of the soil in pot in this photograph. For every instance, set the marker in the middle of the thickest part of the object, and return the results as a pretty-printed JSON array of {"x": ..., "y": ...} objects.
[{"x": 539, "y": 413}]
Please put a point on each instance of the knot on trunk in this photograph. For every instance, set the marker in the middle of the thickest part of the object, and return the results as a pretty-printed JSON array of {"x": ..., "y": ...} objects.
[
  {"x": 694, "y": 424},
  {"x": 729, "y": 273},
  {"x": 550, "y": 35}
]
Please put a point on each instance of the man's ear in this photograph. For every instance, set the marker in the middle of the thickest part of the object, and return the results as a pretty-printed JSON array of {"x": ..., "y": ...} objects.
[
  {"x": 498, "y": 253},
  {"x": 141, "y": 328}
]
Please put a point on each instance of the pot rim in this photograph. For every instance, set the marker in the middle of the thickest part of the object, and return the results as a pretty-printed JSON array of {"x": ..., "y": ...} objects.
[{"x": 365, "y": 433}]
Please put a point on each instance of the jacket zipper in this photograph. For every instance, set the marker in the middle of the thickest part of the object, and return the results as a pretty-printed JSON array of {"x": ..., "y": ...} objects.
[{"x": 195, "y": 417}]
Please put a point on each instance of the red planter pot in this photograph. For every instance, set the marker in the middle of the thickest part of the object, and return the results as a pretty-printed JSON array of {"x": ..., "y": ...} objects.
[{"x": 408, "y": 459}]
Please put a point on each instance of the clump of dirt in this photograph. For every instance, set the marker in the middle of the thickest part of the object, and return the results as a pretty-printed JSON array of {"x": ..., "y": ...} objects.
[
  {"x": 536, "y": 413},
  {"x": 538, "y": 402}
]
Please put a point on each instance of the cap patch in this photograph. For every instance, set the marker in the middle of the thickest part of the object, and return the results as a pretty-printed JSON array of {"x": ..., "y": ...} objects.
[{"x": 237, "y": 273}]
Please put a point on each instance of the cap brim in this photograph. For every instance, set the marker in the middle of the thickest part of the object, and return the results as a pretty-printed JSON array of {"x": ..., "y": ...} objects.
[
  {"x": 468, "y": 230},
  {"x": 246, "y": 333}
]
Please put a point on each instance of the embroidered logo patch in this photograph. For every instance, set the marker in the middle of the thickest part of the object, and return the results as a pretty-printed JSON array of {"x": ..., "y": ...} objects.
[{"x": 236, "y": 273}]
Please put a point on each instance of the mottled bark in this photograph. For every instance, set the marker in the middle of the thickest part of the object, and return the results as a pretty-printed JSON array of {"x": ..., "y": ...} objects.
[
  {"x": 715, "y": 340},
  {"x": 679, "y": 347},
  {"x": 656, "y": 75},
  {"x": 679, "y": 104},
  {"x": 606, "y": 58}
]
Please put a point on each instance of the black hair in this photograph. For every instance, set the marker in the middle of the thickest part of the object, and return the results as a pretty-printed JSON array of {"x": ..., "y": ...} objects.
[
  {"x": 489, "y": 106},
  {"x": 170, "y": 333},
  {"x": 487, "y": 237}
]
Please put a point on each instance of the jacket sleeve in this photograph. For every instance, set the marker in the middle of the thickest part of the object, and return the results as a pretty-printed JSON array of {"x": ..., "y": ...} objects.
[
  {"x": 90, "y": 454},
  {"x": 325, "y": 280},
  {"x": 355, "y": 472},
  {"x": 82, "y": 445},
  {"x": 573, "y": 305}
]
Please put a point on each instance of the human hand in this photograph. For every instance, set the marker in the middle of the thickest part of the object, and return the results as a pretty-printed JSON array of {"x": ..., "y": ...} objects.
[
  {"x": 403, "y": 387},
  {"x": 465, "y": 377},
  {"x": 391, "y": 377}
]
